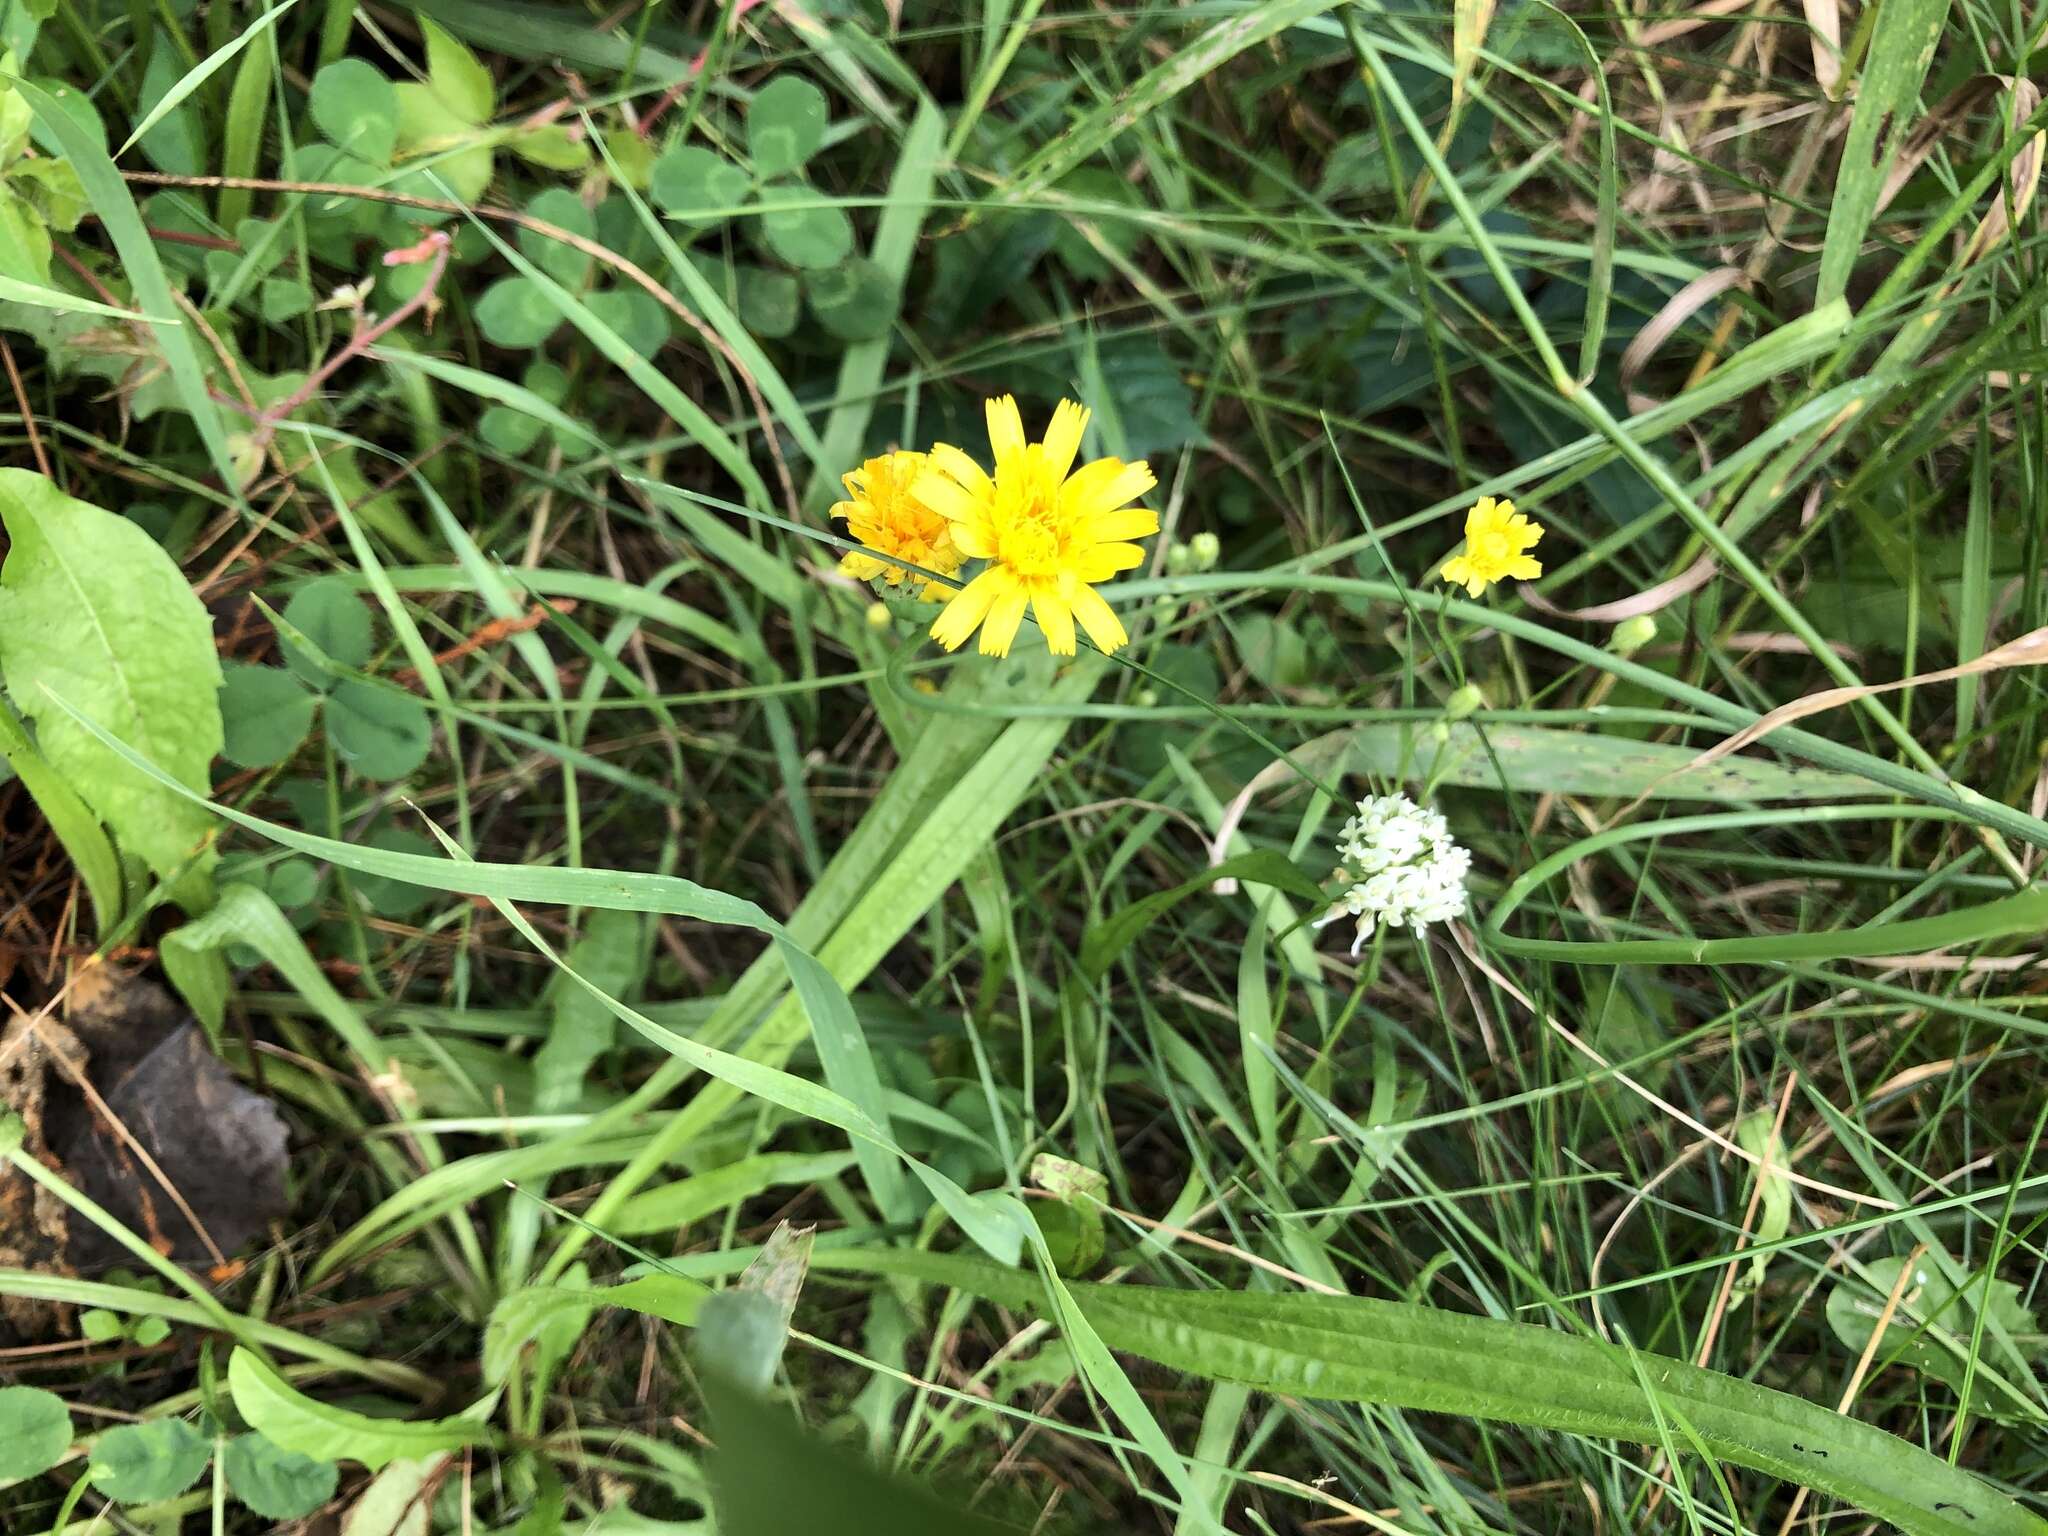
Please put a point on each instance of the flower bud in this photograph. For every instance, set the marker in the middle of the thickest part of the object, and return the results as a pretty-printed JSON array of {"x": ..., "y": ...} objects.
[
  {"x": 1179, "y": 557},
  {"x": 1464, "y": 702},
  {"x": 1631, "y": 635},
  {"x": 878, "y": 615},
  {"x": 1206, "y": 550},
  {"x": 1146, "y": 698}
]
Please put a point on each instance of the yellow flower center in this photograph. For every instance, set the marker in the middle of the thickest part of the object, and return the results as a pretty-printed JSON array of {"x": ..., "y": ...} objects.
[
  {"x": 1031, "y": 535},
  {"x": 1492, "y": 547}
]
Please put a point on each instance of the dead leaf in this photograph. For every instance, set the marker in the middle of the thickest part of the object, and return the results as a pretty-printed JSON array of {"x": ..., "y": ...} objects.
[
  {"x": 124, "y": 1100},
  {"x": 177, "y": 1148}
]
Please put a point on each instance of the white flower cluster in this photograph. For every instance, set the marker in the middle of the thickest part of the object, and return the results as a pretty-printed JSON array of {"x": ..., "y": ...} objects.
[{"x": 1404, "y": 866}]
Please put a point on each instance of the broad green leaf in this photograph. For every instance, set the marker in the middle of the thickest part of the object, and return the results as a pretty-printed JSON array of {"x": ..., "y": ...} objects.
[
  {"x": 35, "y": 1431},
  {"x": 296, "y": 1422},
  {"x": 280, "y": 298},
  {"x": 803, "y": 229},
  {"x": 331, "y": 615},
  {"x": 1538, "y": 759},
  {"x": 1406, "y": 1355},
  {"x": 456, "y": 75},
  {"x": 634, "y": 315},
  {"x": 356, "y": 108},
  {"x": 854, "y": 300},
  {"x": 511, "y": 432},
  {"x": 551, "y": 145},
  {"x": 1101, "y": 945},
  {"x": 770, "y": 301},
  {"x": 516, "y": 315},
  {"x": 380, "y": 731},
  {"x": 564, "y": 263},
  {"x": 24, "y": 244},
  {"x": 265, "y": 714},
  {"x": 276, "y": 1483},
  {"x": 93, "y": 611},
  {"x": 693, "y": 183},
  {"x": 77, "y": 828},
  {"x": 785, "y": 125},
  {"x": 455, "y": 153},
  {"x": 16, "y": 118},
  {"x": 142, "y": 1463},
  {"x": 632, "y": 157}
]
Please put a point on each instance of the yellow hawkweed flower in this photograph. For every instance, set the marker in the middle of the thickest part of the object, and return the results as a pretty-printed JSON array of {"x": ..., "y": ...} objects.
[
  {"x": 1496, "y": 536},
  {"x": 888, "y": 518},
  {"x": 1048, "y": 531}
]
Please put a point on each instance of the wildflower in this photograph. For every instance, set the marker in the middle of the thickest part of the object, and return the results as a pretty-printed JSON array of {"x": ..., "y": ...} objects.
[
  {"x": 1496, "y": 540},
  {"x": 1407, "y": 868},
  {"x": 886, "y": 516},
  {"x": 1048, "y": 531}
]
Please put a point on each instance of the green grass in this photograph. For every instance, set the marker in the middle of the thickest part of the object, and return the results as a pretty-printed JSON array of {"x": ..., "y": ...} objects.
[{"x": 720, "y": 900}]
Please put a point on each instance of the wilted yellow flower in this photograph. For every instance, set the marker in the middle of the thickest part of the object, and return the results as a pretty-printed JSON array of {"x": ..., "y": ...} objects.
[
  {"x": 889, "y": 519},
  {"x": 1049, "y": 535},
  {"x": 1496, "y": 538}
]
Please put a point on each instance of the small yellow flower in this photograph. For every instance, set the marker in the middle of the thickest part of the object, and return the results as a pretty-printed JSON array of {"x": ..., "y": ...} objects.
[
  {"x": 1049, "y": 532},
  {"x": 888, "y": 518},
  {"x": 1496, "y": 538}
]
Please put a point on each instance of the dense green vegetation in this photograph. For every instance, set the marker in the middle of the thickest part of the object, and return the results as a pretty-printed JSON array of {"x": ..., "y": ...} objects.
[{"x": 672, "y": 1048}]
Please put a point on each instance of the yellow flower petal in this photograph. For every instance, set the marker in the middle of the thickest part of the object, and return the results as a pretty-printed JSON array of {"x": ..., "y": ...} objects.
[
  {"x": 945, "y": 496},
  {"x": 965, "y": 610},
  {"x": 1106, "y": 560},
  {"x": 975, "y": 539},
  {"x": 1055, "y": 616},
  {"x": 1000, "y": 628},
  {"x": 1099, "y": 620},
  {"x": 1104, "y": 485},
  {"x": 1497, "y": 538},
  {"x": 1063, "y": 439},
  {"x": 1005, "y": 429},
  {"x": 1131, "y": 523},
  {"x": 861, "y": 567},
  {"x": 949, "y": 460}
]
